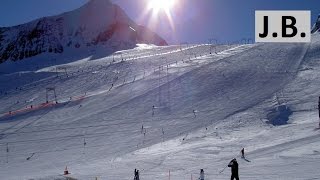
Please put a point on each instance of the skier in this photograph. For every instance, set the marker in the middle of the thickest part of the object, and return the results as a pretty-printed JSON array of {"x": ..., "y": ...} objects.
[
  {"x": 234, "y": 169},
  {"x": 153, "y": 110},
  {"x": 135, "y": 174},
  {"x": 111, "y": 87},
  {"x": 194, "y": 113},
  {"x": 201, "y": 175},
  {"x": 319, "y": 110},
  {"x": 138, "y": 178},
  {"x": 242, "y": 153}
]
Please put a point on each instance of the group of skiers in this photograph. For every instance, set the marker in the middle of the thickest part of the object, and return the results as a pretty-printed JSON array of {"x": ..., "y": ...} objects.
[{"x": 233, "y": 164}]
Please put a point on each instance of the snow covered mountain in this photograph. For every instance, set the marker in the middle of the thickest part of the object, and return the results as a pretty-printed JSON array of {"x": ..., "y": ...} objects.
[
  {"x": 167, "y": 111},
  {"x": 97, "y": 24}
]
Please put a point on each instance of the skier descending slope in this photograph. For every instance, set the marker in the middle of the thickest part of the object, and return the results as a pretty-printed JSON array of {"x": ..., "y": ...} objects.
[
  {"x": 234, "y": 169},
  {"x": 242, "y": 153}
]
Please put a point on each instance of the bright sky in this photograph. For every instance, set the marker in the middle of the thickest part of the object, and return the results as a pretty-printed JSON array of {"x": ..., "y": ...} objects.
[{"x": 192, "y": 21}]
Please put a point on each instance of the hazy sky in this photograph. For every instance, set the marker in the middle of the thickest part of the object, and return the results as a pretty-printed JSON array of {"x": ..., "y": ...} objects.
[{"x": 194, "y": 21}]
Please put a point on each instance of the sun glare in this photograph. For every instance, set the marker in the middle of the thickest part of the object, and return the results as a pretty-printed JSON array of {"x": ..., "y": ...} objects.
[
  {"x": 156, "y": 10},
  {"x": 157, "y": 5}
]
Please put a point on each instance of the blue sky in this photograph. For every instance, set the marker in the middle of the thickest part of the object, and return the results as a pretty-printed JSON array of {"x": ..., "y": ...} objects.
[{"x": 195, "y": 21}]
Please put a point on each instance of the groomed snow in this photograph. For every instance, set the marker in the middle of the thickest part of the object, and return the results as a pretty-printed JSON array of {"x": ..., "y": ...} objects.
[{"x": 96, "y": 127}]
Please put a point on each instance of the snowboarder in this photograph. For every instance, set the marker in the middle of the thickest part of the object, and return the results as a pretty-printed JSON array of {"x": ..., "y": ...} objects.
[
  {"x": 201, "y": 174},
  {"x": 234, "y": 169},
  {"x": 242, "y": 153}
]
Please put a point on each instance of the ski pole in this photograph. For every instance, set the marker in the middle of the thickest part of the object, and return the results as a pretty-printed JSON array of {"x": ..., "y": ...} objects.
[{"x": 223, "y": 169}]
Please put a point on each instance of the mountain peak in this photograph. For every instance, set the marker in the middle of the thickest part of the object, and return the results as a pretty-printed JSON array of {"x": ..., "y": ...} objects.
[
  {"x": 97, "y": 24},
  {"x": 99, "y": 3}
]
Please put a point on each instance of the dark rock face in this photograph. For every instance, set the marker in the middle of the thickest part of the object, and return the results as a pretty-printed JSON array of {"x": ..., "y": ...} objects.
[
  {"x": 27, "y": 42},
  {"x": 61, "y": 33}
]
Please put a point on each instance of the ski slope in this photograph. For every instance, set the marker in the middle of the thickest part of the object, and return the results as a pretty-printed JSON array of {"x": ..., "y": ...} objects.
[{"x": 261, "y": 97}]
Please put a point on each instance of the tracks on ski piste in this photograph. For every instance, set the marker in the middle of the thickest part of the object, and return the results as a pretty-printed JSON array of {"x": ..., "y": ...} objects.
[
  {"x": 47, "y": 107},
  {"x": 39, "y": 107}
]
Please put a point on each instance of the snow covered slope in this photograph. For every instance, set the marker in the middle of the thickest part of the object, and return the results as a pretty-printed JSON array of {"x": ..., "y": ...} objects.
[
  {"x": 97, "y": 24},
  {"x": 161, "y": 109}
]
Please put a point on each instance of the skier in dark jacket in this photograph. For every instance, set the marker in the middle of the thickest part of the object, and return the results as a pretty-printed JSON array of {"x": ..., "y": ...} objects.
[
  {"x": 319, "y": 110},
  {"x": 138, "y": 175},
  {"x": 242, "y": 153},
  {"x": 234, "y": 169},
  {"x": 135, "y": 174},
  {"x": 201, "y": 175}
]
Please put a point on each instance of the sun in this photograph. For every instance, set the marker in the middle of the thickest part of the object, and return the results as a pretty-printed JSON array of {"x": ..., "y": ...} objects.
[
  {"x": 159, "y": 11},
  {"x": 157, "y": 5}
]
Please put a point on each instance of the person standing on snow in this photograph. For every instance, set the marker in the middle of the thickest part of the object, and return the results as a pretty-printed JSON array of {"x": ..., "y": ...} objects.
[
  {"x": 135, "y": 174},
  {"x": 153, "y": 107},
  {"x": 138, "y": 178},
  {"x": 201, "y": 175},
  {"x": 242, "y": 153},
  {"x": 194, "y": 113},
  {"x": 234, "y": 169},
  {"x": 319, "y": 110}
]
